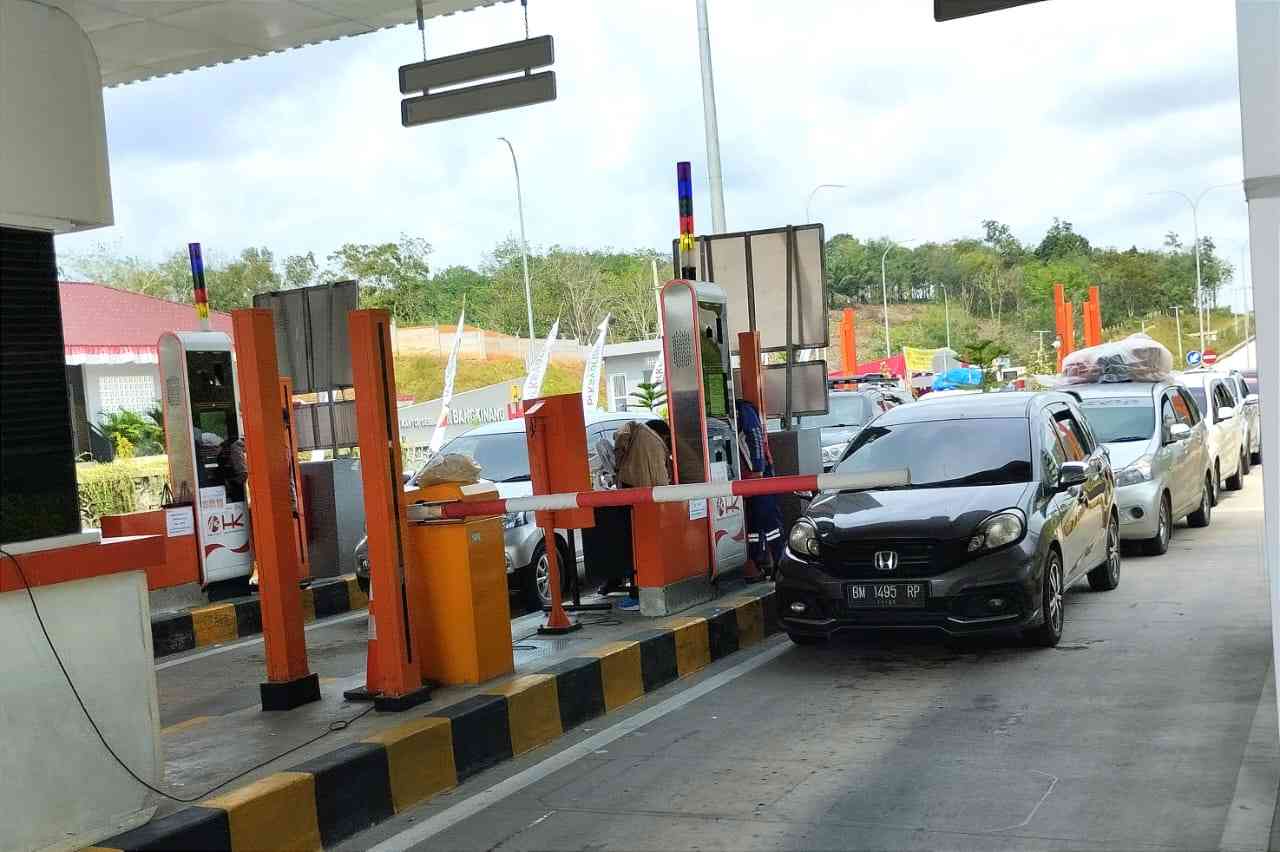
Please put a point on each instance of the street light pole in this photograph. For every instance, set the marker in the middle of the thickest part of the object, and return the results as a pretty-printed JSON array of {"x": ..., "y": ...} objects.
[
  {"x": 1195, "y": 226},
  {"x": 884, "y": 289},
  {"x": 524, "y": 247},
  {"x": 710, "y": 124},
  {"x": 946, "y": 308},
  {"x": 807, "y": 216},
  {"x": 1177, "y": 318}
]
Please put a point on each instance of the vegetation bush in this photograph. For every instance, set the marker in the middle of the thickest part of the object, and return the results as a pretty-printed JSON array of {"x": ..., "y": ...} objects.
[{"x": 119, "y": 487}]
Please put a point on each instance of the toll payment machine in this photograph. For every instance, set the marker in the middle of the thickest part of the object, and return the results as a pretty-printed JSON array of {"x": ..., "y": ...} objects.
[
  {"x": 700, "y": 402},
  {"x": 206, "y": 456}
]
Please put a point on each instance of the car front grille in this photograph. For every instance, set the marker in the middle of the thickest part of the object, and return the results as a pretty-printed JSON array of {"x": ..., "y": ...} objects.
[{"x": 855, "y": 560}]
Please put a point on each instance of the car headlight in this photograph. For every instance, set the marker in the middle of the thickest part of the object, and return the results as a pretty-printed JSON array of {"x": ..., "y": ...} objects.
[
  {"x": 512, "y": 520},
  {"x": 1002, "y": 528},
  {"x": 1139, "y": 471},
  {"x": 832, "y": 453},
  {"x": 803, "y": 539}
]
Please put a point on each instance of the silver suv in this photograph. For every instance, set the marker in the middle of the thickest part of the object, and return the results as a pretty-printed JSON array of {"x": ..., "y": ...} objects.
[
  {"x": 1158, "y": 444},
  {"x": 501, "y": 451},
  {"x": 1228, "y": 425}
]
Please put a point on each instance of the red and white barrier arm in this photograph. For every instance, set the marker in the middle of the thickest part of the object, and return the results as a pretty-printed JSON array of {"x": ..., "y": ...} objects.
[{"x": 662, "y": 494}]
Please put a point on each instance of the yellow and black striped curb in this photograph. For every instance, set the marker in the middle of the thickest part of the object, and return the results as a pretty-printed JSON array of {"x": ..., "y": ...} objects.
[
  {"x": 323, "y": 801},
  {"x": 184, "y": 630}
]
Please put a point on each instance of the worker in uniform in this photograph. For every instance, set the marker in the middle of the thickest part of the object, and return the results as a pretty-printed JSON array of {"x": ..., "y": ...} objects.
[{"x": 764, "y": 516}]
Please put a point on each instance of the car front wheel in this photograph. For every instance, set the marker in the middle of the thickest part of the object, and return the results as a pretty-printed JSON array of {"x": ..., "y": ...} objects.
[
  {"x": 535, "y": 588},
  {"x": 1049, "y": 632},
  {"x": 1106, "y": 576},
  {"x": 1236, "y": 481},
  {"x": 1201, "y": 517},
  {"x": 1159, "y": 543}
]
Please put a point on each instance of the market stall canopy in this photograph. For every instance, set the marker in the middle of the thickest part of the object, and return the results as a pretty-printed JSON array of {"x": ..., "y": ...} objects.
[{"x": 139, "y": 39}]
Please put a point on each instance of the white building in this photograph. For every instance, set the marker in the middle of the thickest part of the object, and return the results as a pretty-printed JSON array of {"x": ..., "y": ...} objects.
[
  {"x": 109, "y": 343},
  {"x": 625, "y": 366}
]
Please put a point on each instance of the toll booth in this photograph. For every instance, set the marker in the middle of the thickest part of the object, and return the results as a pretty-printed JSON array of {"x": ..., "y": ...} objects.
[
  {"x": 206, "y": 467},
  {"x": 702, "y": 416}
]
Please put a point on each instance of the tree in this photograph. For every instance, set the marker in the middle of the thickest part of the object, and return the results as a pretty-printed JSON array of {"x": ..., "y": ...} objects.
[
  {"x": 1060, "y": 241},
  {"x": 300, "y": 270},
  {"x": 394, "y": 276},
  {"x": 649, "y": 395},
  {"x": 235, "y": 284}
]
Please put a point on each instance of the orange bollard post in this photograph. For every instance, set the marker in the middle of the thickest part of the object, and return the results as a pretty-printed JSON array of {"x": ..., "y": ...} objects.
[
  {"x": 289, "y": 681},
  {"x": 557, "y": 439},
  {"x": 394, "y": 682},
  {"x": 752, "y": 375}
]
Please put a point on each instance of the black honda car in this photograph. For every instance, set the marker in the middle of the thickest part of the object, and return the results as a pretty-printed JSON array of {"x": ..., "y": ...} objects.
[{"x": 1011, "y": 502}]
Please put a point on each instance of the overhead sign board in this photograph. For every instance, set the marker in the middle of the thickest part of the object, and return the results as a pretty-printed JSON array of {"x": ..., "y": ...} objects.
[
  {"x": 947, "y": 10},
  {"x": 431, "y": 76}
]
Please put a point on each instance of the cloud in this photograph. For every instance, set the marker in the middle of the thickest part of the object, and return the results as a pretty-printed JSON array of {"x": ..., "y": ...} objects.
[{"x": 1074, "y": 109}]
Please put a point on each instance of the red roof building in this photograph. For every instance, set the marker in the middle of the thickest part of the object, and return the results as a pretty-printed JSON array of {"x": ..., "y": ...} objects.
[{"x": 103, "y": 325}]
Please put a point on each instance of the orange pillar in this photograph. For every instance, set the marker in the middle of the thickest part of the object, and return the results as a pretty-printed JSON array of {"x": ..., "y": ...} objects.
[
  {"x": 848, "y": 343},
  {"x": 752, "y": 375},
  {"x": 289, "y": 682},
  {"x": 1064, "y": 322},
  {"x": 394, "y": 679},
  {"x": 1093, "y": 318}
]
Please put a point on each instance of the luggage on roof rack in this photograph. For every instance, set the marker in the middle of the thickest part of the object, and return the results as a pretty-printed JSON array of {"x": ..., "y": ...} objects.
[{"x": 1137, "y": 358}]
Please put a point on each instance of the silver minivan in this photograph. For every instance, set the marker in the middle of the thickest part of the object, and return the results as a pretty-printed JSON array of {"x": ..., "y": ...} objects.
[{"x": 1158, "y": 444}]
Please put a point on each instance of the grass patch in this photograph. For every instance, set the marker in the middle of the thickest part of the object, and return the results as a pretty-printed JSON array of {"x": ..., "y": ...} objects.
[{"x": 422, "y": 376}]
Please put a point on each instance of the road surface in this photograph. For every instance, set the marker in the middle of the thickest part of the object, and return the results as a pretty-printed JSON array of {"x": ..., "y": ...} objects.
[{"x": 1152, "y": 726}]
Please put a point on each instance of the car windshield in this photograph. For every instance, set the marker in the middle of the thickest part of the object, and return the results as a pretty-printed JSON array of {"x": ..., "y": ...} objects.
[
  {"x": 980, "y": 451},
  {"x": 502, "y": 457},
  {"x": 1121, "y": 418},
  {"x": 843, "y": 410}
]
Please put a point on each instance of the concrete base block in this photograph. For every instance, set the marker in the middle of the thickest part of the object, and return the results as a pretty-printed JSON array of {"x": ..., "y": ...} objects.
[
  {"x": 677, "y": 597},
  {"x": 286, "y": 695}
]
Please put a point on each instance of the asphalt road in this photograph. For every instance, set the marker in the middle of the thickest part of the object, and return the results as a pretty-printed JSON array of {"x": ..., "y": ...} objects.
[{"x": 1132, "y": 734}]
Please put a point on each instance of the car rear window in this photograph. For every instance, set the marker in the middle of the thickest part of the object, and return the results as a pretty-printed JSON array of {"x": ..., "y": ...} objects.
[
  {"x": 1120, "y": 418},
  {"x": 842, "y": 410},
  {"x": 502, "y": 457},
  {"x": 946, "y": 453}
]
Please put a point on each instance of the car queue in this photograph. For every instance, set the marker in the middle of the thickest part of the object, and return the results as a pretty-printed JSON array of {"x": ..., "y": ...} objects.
[{"x": 1013, "y": 498}]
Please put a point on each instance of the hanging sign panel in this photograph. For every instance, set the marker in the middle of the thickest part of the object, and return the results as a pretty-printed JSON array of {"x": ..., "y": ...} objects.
[{"x": 434, "y": 105}]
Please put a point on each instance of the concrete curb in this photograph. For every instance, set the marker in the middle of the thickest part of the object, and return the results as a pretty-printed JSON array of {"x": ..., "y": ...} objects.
[
  {"x": 325, "y": 800},
  {"x": 176, "y": 631}
]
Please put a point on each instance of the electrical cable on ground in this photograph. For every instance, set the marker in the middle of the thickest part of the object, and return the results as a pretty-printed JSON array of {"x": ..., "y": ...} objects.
[{"x": 340, "y": 725}]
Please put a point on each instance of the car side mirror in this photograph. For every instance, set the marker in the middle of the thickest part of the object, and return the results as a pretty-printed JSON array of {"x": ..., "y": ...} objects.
[
  {"x": 1072, "y": 473},
  {"x": 1178, "y": 432},
  {"x": 1251, "y": 399},
  {"x": 1226, "y": 412}
]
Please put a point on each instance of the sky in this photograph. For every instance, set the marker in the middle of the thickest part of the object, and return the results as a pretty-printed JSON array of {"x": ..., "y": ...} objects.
[{"x": 1079, "y": 109}]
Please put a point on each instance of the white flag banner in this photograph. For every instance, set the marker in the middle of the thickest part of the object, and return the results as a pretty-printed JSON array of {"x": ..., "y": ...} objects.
[
  {"x": 591, "y": 372},
  {"x": 533, "y": 382},
  {"x": 659, "y": 369},
  {"x": 446, "y": 397}
]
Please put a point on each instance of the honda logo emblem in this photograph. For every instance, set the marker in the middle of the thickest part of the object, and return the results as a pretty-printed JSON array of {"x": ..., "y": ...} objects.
[{"x": 886, "y": 560}]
